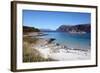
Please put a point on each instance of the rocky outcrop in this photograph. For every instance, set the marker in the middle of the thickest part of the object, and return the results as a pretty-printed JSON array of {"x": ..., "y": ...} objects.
[{"x": 75, "y": 28}]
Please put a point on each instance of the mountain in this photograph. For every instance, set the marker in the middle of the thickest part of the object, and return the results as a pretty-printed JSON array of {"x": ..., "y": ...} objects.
[
  {"x": 30, "y": 29},
  {"x": 75, "y": 28},
  {"x": 46, "y": 30}
]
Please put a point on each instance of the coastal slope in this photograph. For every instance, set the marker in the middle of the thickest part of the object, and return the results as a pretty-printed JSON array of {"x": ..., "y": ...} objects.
[{"x": 75, "y": 28}]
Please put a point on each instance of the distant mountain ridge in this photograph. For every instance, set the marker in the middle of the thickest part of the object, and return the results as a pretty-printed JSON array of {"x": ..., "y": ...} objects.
[
  {"x": 80, "y": 28},
  {"x": 75, "y": 28},
  {"x": 46, "y": 30}
]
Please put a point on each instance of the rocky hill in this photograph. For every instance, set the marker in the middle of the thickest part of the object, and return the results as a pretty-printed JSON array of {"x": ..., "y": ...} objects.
[
  {"x": 30, "y": 29},
  {"x": 75, "y": 28}
]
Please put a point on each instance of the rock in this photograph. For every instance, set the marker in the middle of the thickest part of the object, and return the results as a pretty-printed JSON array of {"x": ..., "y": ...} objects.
[
  {"x": 81, "y": 28},
  {"x": 51, "y": 40}
]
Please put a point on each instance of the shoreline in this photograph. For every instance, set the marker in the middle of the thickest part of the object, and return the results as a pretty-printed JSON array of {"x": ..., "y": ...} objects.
[
  {"x": 47, "y": 49},
  {"x": 61, "y": 52}
]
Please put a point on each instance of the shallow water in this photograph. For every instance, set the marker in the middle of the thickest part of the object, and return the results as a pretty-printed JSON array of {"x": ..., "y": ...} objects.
[{"x": 80, "y": 41}]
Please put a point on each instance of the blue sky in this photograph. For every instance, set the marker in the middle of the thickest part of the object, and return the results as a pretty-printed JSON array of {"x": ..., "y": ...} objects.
[{"x": 52, "y": 19}]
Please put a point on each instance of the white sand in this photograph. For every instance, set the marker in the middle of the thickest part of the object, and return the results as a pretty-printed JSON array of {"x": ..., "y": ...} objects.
[{"x": 63, "y": 54}]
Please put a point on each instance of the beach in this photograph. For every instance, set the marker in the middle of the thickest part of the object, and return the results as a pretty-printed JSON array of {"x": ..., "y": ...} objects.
[{"x": 45, "y": 49}]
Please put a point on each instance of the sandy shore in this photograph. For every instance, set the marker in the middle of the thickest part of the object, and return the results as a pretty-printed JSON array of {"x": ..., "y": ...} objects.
[
  {"x": 60, "y": 52},
  {"x": 42, "y": 49}
]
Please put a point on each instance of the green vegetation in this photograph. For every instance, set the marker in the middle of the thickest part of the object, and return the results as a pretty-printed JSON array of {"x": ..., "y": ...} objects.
[
  {"x": 30, "y": 54},
  {"x": 30, "y": 40},
  {"x": 27, "y": 29}
]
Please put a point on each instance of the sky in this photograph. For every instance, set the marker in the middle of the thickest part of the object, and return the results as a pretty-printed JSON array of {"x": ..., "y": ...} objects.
[{"x": 53, "y": 19}]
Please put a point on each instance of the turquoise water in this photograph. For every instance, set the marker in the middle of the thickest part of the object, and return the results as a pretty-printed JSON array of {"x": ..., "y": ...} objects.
[{"x": 80, "y": 41}]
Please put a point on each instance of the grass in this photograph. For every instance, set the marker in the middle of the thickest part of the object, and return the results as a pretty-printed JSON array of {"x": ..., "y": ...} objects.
[
  {"x": 30, "y": 40},
  {"x": 31, "y": 54}
]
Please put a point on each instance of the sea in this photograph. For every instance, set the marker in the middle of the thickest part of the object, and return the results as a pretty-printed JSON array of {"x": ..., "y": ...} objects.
[{"x": 71, "y": 40}]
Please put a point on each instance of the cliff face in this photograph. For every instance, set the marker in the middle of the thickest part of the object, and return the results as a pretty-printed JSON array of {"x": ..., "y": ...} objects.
[{"x": 75, "y": 28}]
